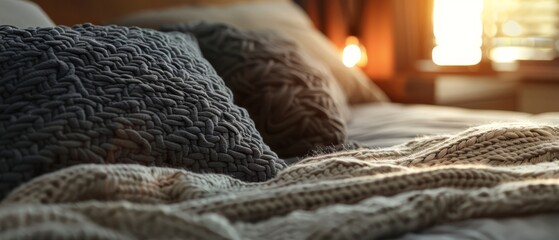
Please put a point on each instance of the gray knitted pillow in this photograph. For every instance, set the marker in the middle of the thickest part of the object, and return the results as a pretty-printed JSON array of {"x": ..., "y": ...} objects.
[
  {"x": 92, "y": 94},
  {"x": 289, "y": 100}
]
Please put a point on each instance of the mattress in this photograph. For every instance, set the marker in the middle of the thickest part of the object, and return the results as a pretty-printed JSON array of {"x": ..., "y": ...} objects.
[
  {"x": 385, "y": 125},
  {"x": 389, "y": 124}
]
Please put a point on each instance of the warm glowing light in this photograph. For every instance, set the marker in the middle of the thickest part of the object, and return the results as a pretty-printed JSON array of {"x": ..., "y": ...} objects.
[
  {"x": 458, "y": 32},
  {"x": 504, "y": 54},
  {"x": 444, "y": 55},
  {"x": 512, "y": 28},
  {"x": 354, "y": 53},
  {"x": 513, "y": 53}
]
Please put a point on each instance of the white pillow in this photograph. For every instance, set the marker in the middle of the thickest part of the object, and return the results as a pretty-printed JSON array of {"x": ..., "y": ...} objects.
[
  {"x": 282, "y": 16},
  {"x": 22, "y": 14}
]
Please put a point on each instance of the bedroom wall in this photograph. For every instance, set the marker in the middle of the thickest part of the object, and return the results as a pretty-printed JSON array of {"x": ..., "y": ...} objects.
[
  {"x": 376, "y": 28},
  {"x": 397, "y": 35}
]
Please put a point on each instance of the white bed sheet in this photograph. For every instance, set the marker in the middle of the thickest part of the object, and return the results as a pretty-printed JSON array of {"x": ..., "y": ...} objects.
[
  {"x": 388, "y": 124},
  {"x": 384, "y": 125},
  {"x": 536, "y": 227}
]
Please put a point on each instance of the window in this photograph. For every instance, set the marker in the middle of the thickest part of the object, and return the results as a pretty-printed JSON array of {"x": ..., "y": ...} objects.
[
  {"x": 458, "y": 28},
  {"x": 467, "y": 32},
  {"x": 521, "y": 30}
]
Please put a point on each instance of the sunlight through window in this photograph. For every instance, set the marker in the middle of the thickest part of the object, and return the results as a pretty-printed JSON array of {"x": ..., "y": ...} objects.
[
  {"x": 528, "y": 31},
  {"x": 458, "y": 29}
]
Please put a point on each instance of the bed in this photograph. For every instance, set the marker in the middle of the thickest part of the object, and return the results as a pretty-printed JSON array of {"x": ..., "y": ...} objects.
[{"x": 212, "y": 161}]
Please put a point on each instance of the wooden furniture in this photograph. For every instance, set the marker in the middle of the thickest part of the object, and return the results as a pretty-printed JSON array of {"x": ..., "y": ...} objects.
[{"x": 513, "y": 92}]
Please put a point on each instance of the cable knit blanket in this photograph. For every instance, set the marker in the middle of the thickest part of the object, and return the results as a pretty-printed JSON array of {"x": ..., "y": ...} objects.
[{"x": 488, "y": 171}]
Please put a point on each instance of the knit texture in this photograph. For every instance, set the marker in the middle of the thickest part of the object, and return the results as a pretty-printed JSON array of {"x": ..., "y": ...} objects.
[
  {"x": 487, "y": 171},
  {"x": 93, "y": 94},
  {"x": 295, "y": 105}
]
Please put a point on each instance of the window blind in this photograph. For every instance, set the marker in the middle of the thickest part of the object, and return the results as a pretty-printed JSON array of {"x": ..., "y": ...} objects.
[{"x": 521, "y": 29}]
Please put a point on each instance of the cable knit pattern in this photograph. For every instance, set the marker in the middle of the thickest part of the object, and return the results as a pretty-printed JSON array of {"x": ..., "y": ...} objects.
[
  {"x": 93, "y": 94},
  {"x": 487, "y": 171},
  {"x": 296, "y": 106}
]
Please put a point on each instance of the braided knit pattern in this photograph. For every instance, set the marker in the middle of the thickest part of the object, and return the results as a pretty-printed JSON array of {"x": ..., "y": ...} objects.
[
  {"x": 92, "y": 94},
  {"x": 487, "y": 171},
  {"x": 294, "y": 104}
]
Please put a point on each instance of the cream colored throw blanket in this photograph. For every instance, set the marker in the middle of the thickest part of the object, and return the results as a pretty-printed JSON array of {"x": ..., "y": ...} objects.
[{"x": 487, "y": 171}]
